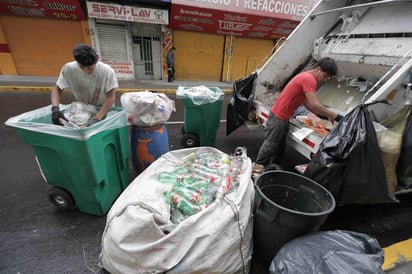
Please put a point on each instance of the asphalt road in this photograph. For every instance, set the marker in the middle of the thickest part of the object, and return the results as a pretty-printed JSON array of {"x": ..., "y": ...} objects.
[{"x": 37, "y": 238}]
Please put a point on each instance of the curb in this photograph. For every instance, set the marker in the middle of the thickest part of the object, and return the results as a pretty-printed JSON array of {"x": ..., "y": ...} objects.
[{"x": 170, "y": 91}]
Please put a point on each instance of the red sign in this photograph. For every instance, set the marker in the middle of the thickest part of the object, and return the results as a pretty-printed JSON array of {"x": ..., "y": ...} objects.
[
  {"x": 282, "y": 9},
  {"x": 59, "y": 9},
  {"x": 227, "y": 22}
]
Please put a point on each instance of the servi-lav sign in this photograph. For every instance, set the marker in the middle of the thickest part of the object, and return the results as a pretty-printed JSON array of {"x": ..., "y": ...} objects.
[{"x": 127, "y": 13}]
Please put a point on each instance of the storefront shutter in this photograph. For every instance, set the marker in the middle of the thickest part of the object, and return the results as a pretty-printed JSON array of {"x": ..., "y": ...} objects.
[
  {"x": 112, "y": 40},
  {"x": 41, "y": 46},
  {"x": 198, "y": 56},
  {"x": 248, "y": 55}
]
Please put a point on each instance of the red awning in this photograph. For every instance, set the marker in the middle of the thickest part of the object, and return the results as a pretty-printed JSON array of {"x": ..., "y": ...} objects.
[
  {"x": 59, "y": 9},
  {"x": 268, "y": 19}
]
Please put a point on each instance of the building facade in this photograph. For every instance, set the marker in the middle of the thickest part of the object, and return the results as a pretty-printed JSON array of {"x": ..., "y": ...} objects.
[{"x": 215, "y": 40}]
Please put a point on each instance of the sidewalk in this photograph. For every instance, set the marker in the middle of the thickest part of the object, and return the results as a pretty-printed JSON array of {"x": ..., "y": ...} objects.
[{"x": 45, "y": 84}]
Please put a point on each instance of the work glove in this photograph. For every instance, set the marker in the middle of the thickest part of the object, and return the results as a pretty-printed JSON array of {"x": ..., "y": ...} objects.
[
  {"x": 338, "y": 117},
  {"x": 92, "y": 122},
  {"x": 56, "y": 115}
]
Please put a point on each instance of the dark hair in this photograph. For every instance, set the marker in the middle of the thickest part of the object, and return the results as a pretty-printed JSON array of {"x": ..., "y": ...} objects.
[
  {"x": 173, "y": 48},
  {"x": 85, "y": 55},
  {"x": 328, "y": 65}
]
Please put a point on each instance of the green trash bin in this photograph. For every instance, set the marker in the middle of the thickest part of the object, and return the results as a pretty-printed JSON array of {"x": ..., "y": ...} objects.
[
  {"x": 202, "y": 107},
  {"x": 85, "y": 168}
]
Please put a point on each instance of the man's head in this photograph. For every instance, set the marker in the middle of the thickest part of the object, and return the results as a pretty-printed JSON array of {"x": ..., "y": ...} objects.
[
  {"x": 326, "y": 69},
  {"x": 328, "y": 65},
  {"x": 86, "y": 57}
]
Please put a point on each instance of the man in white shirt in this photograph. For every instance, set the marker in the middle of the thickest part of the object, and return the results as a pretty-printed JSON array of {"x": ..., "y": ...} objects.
[{"x": 91, "y": 81}]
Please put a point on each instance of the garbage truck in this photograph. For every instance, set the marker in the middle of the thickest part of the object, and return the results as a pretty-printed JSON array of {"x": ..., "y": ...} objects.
[{"x": 371, "y": 42}]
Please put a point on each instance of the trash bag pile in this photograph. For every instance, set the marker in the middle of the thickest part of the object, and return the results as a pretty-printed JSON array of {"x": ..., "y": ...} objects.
[
  {"x": 349, "y": 163},
  {"x": 326, "y": 252},
  {"x": 390, "y": 144},
  {"x": 147, "y": 108}
]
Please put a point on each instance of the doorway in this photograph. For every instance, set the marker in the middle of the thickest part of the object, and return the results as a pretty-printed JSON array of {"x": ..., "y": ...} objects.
[{"x": 147, "y": 51}]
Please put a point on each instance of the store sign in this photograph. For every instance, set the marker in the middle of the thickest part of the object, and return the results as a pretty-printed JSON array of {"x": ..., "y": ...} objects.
[
  {"x": 281, "y": 9},
  {"x": 127, "y": 13},
  {"x": 59, "y": 9},
  {"x": 121, "y": 68},
  {"x": 252, "y": 18}
]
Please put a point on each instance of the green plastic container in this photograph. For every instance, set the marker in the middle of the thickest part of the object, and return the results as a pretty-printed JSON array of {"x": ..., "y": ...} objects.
[
  {"x": 201, "y": 121},
  {"x": 90, "y": 164}
]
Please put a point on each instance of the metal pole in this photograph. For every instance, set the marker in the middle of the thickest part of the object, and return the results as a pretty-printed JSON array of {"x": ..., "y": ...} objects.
[{"x": 379, "y": 3}]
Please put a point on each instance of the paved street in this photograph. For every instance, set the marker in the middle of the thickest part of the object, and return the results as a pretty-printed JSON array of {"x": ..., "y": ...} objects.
[{"x": 37, "y": 238}]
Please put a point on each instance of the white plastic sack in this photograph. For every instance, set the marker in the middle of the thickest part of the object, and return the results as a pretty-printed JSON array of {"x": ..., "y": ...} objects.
[
  {"x": 147, "y": 108},
  {"x": 39, "y": 120},
  {"x": 200, "y": 95},
  {"x": 140, "y": 238},
  {"x": 78, "y": 115}
]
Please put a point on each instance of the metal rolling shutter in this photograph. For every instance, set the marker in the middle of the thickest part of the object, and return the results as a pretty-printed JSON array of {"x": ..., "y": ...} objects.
[
  {"x": 248, "y": 54},
  {"x": 112, "y": 40},
  {"x": 198, "y": 56},
  {"x": 39, "y": 46}
]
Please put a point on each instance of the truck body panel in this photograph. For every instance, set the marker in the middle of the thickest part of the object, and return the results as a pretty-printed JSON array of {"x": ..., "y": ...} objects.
[{"x": 371, "y": 42}]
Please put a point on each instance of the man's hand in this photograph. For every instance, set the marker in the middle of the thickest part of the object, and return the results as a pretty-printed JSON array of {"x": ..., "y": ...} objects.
[
  {"x": 92, "y": 121},
  {"x": 56, "y": 115}
]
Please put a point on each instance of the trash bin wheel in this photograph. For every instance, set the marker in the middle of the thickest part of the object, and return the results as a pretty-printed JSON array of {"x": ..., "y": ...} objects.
[
  {"x": 61, "y": 198},
  {"x": 190, "y": 140}
]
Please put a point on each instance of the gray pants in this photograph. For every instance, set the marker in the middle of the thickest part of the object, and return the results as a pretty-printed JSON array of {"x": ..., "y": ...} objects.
[{"x": 273, "y": 147}]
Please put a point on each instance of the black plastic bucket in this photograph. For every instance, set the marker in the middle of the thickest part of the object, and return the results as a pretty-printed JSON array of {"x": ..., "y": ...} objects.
[{"x": 287, "y": 205}]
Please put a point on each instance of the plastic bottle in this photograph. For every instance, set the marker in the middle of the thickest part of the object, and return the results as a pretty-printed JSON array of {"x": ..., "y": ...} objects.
[
  {"x": 190, "y": 157},
  {"x": 184, "y": 190},
  {"x": 208, "y": 196},
  {"x": 187, "y": 207},
  {"x": 172, "y": 197},
  {"x": 195, "y": 183},
  {"x": 225, "y": 158},
  {"x": 167, "y": 177},
  {"x": 182, "y": 203}
]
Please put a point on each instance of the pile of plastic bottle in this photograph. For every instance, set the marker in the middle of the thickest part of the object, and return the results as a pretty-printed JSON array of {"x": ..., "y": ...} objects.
[{"x": 201, "y": 178}]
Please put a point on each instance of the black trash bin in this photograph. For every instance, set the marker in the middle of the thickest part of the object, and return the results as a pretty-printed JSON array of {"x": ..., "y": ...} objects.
[{"x": 287, "y": 205}]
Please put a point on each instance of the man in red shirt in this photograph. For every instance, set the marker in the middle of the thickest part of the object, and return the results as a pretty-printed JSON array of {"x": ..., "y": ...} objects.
[{"x": 301, "y": 90}]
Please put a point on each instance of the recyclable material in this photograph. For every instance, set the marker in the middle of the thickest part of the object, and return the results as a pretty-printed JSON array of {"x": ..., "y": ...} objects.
[
  {"x": 147, "y": 108},
  {"x": 198, "y": 180},
  {"x": 78, "y": 114}
]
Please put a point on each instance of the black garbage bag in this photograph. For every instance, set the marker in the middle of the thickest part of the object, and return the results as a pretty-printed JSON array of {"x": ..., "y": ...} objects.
[
  {"x": 337, "y": 251},
  {"x": 404, "y": 166},
  {"x": 348, "y": 162},
  {"x": 241, "y": 103}
]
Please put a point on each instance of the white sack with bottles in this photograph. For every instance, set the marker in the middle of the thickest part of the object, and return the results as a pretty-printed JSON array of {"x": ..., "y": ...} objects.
[
  {"x": 190, "y": 211},
  {"x": 147, "y": 108}
]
